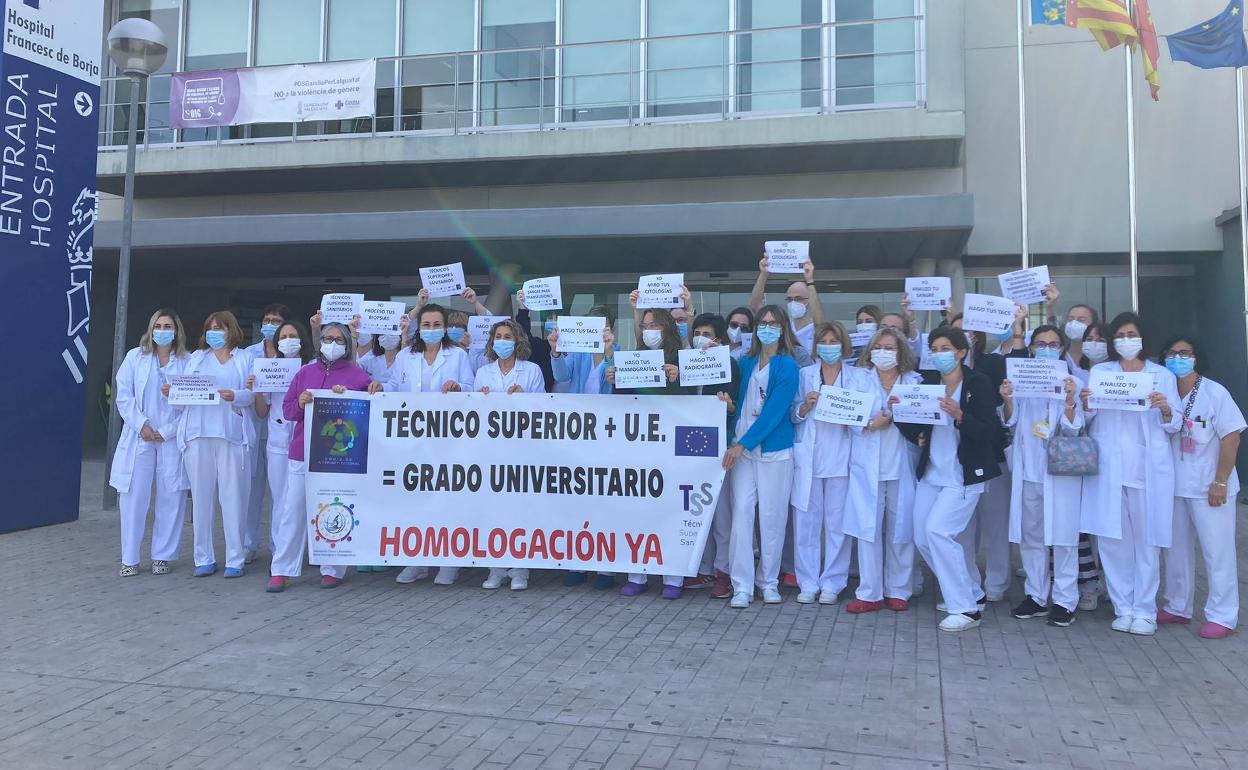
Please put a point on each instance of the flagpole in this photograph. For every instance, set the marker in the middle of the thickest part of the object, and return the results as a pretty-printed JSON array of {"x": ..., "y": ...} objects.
[
  {"x": 1134, "y": 256},
  {"x": 1243, "y": 192},
  {"x": 1022, "y": 141}
]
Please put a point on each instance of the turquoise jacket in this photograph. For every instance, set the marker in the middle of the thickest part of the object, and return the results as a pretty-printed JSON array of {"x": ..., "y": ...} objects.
[{"x": 773, "y": 430}]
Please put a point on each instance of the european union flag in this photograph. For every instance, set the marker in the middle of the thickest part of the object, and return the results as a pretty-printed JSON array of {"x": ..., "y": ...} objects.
[
  {"x": 1218, "y": 42},
  {"x": 1051, "y": 12},
  {"x": 697, "y": 442}
]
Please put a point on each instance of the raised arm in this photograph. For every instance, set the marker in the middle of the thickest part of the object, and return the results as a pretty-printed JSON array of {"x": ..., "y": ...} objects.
[{"x": 758, "y": 295}]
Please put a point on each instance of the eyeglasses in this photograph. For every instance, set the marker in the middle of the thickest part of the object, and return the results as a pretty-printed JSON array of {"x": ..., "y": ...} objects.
[
  {"x": 338, "y": 340},
  {"x": 1047, "y": 345},
  {"x": 766, "y": 325},
  {"x": 738, "y": 325},
  {"x": 1186, "y": 355}
]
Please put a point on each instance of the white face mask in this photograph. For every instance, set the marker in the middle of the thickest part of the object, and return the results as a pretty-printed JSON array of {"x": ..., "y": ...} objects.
[
  {"x": 797, "y": 310},
  {"x": 868, "y": 327},
  {"x": 1075, "y": 330},
  {"x": 389, "y": 341},
  {"x": 363, "y": 340},
  {"x": 1096, "y": 350},
  {"x": 701, "y": 342},
  {"x": 289, "y": 347},
  {"x": 884, "y": 360},
  {"x": 332, "y": 351},
  {"x": 734, "y": 334},
  {"x": 652, "y": 338},
  {"x": 1129, "y": 347}
]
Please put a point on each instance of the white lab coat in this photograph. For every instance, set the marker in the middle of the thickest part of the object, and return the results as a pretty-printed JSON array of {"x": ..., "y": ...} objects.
[
  {"x": 1101, "y": 510},
  {"x": 451, "y": 363},
  {"x": 526, "y": 374},
  {"x": 1061, "y": 493},
  {"x": 241, "y": 408},
  {"x": 809, "y": 380},
  {"x": 132, "y": 378},
  {"x": 864, "y": 473}
]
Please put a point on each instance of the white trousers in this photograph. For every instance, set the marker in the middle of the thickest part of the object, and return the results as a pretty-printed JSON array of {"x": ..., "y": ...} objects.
[
  {"x": 217, "y": 470},
  {"x": 290, "y": 522},
  {"x": 715, "y": 555},
  {"x": 515, "y": 573},
  {"x": 769, "y": 485},
  {"x": 992, "y": 532},
  {"x": 154, "y": 461},
  {"x": 275, "y": 472},
  {"x": 1131, "y": 565},
  {"x": 255, "y": 499},
  {"x": 885, "y": 567},
  {"x": 1215, "y": 528},
  {"x": 1065, "y": 579},
  {"x": 941, "y": 519},
  {"x": 820, "y": 546},
  {"x": 668, "y": 580}
]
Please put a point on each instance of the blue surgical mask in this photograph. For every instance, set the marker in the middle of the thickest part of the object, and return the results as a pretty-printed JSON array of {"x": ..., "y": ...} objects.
[
  {"x": 768, "y": 335},
  {"x": 163, "y": 337},
  {"x": 549, "y": 326},
  {"x": 829, "y": 354},
  {"x": 1048, "y": 354},
  {"x": 1180, "y": 367},
  {"x": 432, "y": 336},
  {"x": 945, "y": 361},
  {"x": 215, "y": 339},
  {"x": 504, "y": 348},
  {"x": 682, "y": 329},
  {"x": 454, "y": 334},
  {"x": 268, "y": 330}
]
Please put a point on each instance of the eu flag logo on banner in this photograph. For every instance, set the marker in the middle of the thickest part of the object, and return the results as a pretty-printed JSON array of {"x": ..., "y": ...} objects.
[
  {"x": 1218, "y": 42},
  {"x": 692, "y": 441},
  {"x": 1050, "y": 12}
]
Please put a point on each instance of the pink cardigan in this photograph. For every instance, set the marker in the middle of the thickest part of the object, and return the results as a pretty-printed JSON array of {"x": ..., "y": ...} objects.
[{"x": 318, "y": 376}]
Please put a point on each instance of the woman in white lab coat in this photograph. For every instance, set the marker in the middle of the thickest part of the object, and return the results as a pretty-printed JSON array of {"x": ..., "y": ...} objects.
[
  {"x": 1044, "y": 509},
  {"x": 148, "y": 451},
  {"x": 1206, "y": 488},
  {"x": 880, "y": 510},
  {"x": 508, "y": 371},
  {"x": 434, "y": 366},
  {"x": 822, "y": 473},
  {"x": 215, "y": 440},
  {"x": 1129, "y": 504}
]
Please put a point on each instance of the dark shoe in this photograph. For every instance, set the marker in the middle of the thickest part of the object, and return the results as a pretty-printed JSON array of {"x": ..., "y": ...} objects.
[
  {"x": 634, "y": 589},
  {"x": 1060, "y": 616},
  {"x": 573, "y": 579},
  {"x": 1029, "y": 609},
  {"x": 604, "y": 582}
]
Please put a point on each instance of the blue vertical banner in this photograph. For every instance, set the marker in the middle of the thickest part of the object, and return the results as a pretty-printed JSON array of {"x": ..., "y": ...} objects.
[{"x": 49, "y": 124}]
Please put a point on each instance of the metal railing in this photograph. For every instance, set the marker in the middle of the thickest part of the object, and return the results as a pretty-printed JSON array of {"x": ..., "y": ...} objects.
[{"x": 843, "y": 66}]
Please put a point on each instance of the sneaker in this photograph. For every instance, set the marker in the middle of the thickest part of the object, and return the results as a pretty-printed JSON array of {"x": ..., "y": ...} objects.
[
  {"x": 204, "y": 570},
  {"x": 858, "y": 606},
  {"x": 788, "y": 580},
  {"x": 1088, "y": 601},
  {"x": 1121, "y": 624},
  {"x": 249, "y": 556},
  {"x": 128, "y": 571},
  {"x": 1143, "y": 626},
  {"x": 1060, "y": 616},
  {"x": 160, "y": 567},
  {"x": 807, "y": 597},
  {"x": 1030, "y": 608},
  {"x": 994, "y": 596},
  {"x": 573, "y": 579},
  {"x": 446, "y": 576},
  {"x": 1020, "y": 572},
  {"x": 723, "y": 587},
  {"x": 277, "y": 584},
  {"x": 959, "y": 622},
  {"x": 740, "y": 601},
  {"x": 411, "y": 574},
  {"x": 699, "y": 581},
  {"x": 672, "y": 592},
  {"x": 1166, "y": 618},
  {"x": 940, "y": 606},
  {"x": 329, "y": 581},
  {"x": 771, "y": 596},
  {"x": 829, "y": 597},
  {"x": 1213, "y": 630},
  {"x": 495, "y": 580},
  {"x": 604, "y": 582},
  {"x": 519, "y": 584},
  {"x": 233, "y": 572},
  {"x": 634, "y": 589},
  {"x": 897, "y": 605}
]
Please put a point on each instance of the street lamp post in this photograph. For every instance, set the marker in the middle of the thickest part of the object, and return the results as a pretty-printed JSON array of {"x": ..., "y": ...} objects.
[{"x": 137, "y": 47}]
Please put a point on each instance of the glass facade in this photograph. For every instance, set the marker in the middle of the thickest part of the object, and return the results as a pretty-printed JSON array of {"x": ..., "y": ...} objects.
[{"x": 474, "y": 65}]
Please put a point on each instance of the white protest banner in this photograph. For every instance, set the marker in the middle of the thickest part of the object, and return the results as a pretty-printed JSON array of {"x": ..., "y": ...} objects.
[
  {"x": 543, "y": 293},
  {"x": 639, "y": 369},
  {"x": 1125, "y": 391},
  {"x": 340, "y": 308},
  {"x": 193, "y": 390},
  {"x": 928, "y": 293},
  {"x": 1026, "y": 287},
  {"x": 293, "y": 93},
  {"x": 859, "y": 340},
  {"x": 660, "y": 291},
  {"x": 919, "y": 404},
  {"x": 988, "y": 314},
  {"x": 712, "y": 366},
  {"x": 786, "y": 256},
  {"x": 747, "y": 340},
  {"x": 380, "y": 317},
  {"x": 843, "y": 407},
  {"x": 444, "y": 280},
  {"x": 273, "y": 375},
  {"x": 1037, "y": 377},
  {"x": 580, "y": 334},
  {"x": 547, "y": 481},
  {"x": 479, "y": 329}
]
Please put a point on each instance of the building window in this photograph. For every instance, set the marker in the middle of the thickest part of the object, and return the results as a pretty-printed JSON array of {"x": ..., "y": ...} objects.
[
  {"x": 361, "y": 29},
  {"x": 875, "y": 63},
  {"x": 437, "y": 86},
  {"x": 686, "y": 76},
  {"x": 216, "y": 34},
  {"x": 778, "y": 70},
  {"x": 287, "y": 32},
  {"x": 164, "y": 14},
  {"x": 600, "y": 81},
  {"x": 517, "y": 85}
]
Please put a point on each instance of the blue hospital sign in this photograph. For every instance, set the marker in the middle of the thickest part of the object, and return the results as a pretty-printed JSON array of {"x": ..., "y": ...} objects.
[{"x": 49, "y": 122}]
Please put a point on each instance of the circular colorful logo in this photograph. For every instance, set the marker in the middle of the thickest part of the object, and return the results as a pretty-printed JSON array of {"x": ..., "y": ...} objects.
[
  {"x": 340, "y": 434},
  {"x": 334, "y": 522}
]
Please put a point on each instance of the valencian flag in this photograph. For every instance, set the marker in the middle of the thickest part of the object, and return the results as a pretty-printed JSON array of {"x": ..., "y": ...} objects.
[
  {"x": 1112, "y": 24},
  {"x": 1050, "y": 12},
  {"x": 1218, "y": 42}
]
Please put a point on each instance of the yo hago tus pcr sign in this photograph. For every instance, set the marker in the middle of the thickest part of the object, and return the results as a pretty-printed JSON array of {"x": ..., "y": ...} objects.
[{"x": 620, "y": 483}]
